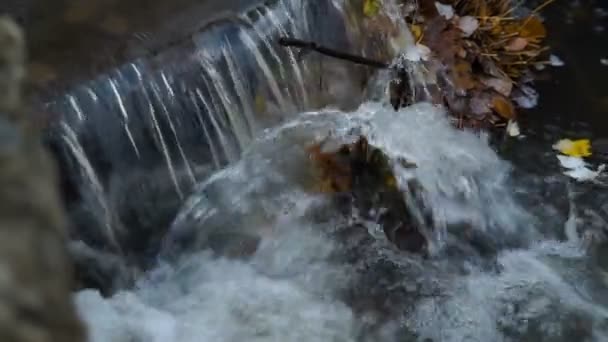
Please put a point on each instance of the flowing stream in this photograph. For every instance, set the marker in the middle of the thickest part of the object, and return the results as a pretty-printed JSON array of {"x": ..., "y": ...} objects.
[{"x": 194, "y": 205}]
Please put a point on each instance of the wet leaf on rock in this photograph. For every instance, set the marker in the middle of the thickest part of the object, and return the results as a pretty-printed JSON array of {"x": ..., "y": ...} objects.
[
  {"x": 334, "y": 173},
  {"x": 371, "y": 7}
]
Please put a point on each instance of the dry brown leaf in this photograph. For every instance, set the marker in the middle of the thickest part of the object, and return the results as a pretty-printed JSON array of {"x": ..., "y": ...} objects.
[
  {"x": 516, "y": 44},
  {"x": 500, "y": 85},
  {"x": 532, "y": 27},
  {"x": 490, "y": 68},
  {"x": 463, "y": 75},
  {"x": 480, "y": 105},
  {"x": 503, "y": 107}
]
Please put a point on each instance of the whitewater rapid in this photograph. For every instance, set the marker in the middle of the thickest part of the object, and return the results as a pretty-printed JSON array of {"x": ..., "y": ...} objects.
[{"x": 312, "y": 279}]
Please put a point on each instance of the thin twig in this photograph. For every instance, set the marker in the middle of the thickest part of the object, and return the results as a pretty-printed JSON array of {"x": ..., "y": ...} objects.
[{"x": 292, "y": 42}]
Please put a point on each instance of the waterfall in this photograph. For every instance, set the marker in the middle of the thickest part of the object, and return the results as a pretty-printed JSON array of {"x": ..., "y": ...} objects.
[
  {"x": 194, "y": 163},
  {"x": 199, "y": 103}
]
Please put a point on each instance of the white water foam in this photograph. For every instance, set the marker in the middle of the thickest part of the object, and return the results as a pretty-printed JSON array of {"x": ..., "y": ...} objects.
[{"x": 288, "y": 290}]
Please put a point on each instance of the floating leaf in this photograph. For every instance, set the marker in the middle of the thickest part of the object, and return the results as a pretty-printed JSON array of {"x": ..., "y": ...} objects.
[
  {"x": 503, "y": 107},
  {"x": 578, "y": 169},
  {"x": 371, "y": 7},
  {"x": 574, "y": 148},
  {"x": 556, "y": 61}
]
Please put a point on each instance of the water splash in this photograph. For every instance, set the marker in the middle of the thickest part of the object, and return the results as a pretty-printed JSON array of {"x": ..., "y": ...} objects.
[
  {"x": 268, "y": 74},
  {"x": 215, "y": 153},
  {"x": 253, "y": 255},
  {"x": 228, "y": 150},
  {"x": 296, "y": 248},
  {"x": 237, "y": 123},
  {"x": 289, "y": 67},
  {"x": 231, "y": 80}
]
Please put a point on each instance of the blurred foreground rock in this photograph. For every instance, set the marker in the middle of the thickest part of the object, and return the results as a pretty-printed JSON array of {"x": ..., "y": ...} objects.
[{"x": 35, "y": 276}]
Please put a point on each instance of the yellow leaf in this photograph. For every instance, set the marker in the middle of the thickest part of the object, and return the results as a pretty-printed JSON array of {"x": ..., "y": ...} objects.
[
  {"x": 371, "y": 7},
  {"x": 574, "y": 148},
  {"x": 416, "y": 31}
]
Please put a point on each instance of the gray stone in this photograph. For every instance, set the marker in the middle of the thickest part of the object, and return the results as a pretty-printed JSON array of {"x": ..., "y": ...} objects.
[{"x": 35, "y": 277}]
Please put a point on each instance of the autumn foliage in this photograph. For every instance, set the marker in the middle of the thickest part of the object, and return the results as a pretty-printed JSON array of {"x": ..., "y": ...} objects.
[{"x": 483, "y": 52}]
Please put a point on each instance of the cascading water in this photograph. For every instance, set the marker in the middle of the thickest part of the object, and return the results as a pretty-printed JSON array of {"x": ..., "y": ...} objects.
[
  {"x": 183, "y": 113},
  {"x": 254, "y": 254},
  {"x": 303, "y": 272}
]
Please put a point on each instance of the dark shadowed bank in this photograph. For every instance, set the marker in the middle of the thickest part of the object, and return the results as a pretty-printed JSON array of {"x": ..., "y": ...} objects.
[{"x": 35, "y": 303}]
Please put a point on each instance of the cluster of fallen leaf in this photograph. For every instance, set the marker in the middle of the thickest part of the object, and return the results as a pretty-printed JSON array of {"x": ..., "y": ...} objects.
[{"x": 484, "y": 53}]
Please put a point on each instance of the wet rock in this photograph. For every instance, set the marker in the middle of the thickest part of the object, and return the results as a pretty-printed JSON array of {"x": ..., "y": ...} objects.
[
  {"x": 146, "y": 202},
  {"x": 105, "y": 271},
  {"x": 364, "y": 173},
  {"x": 35, "y": 277}
]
